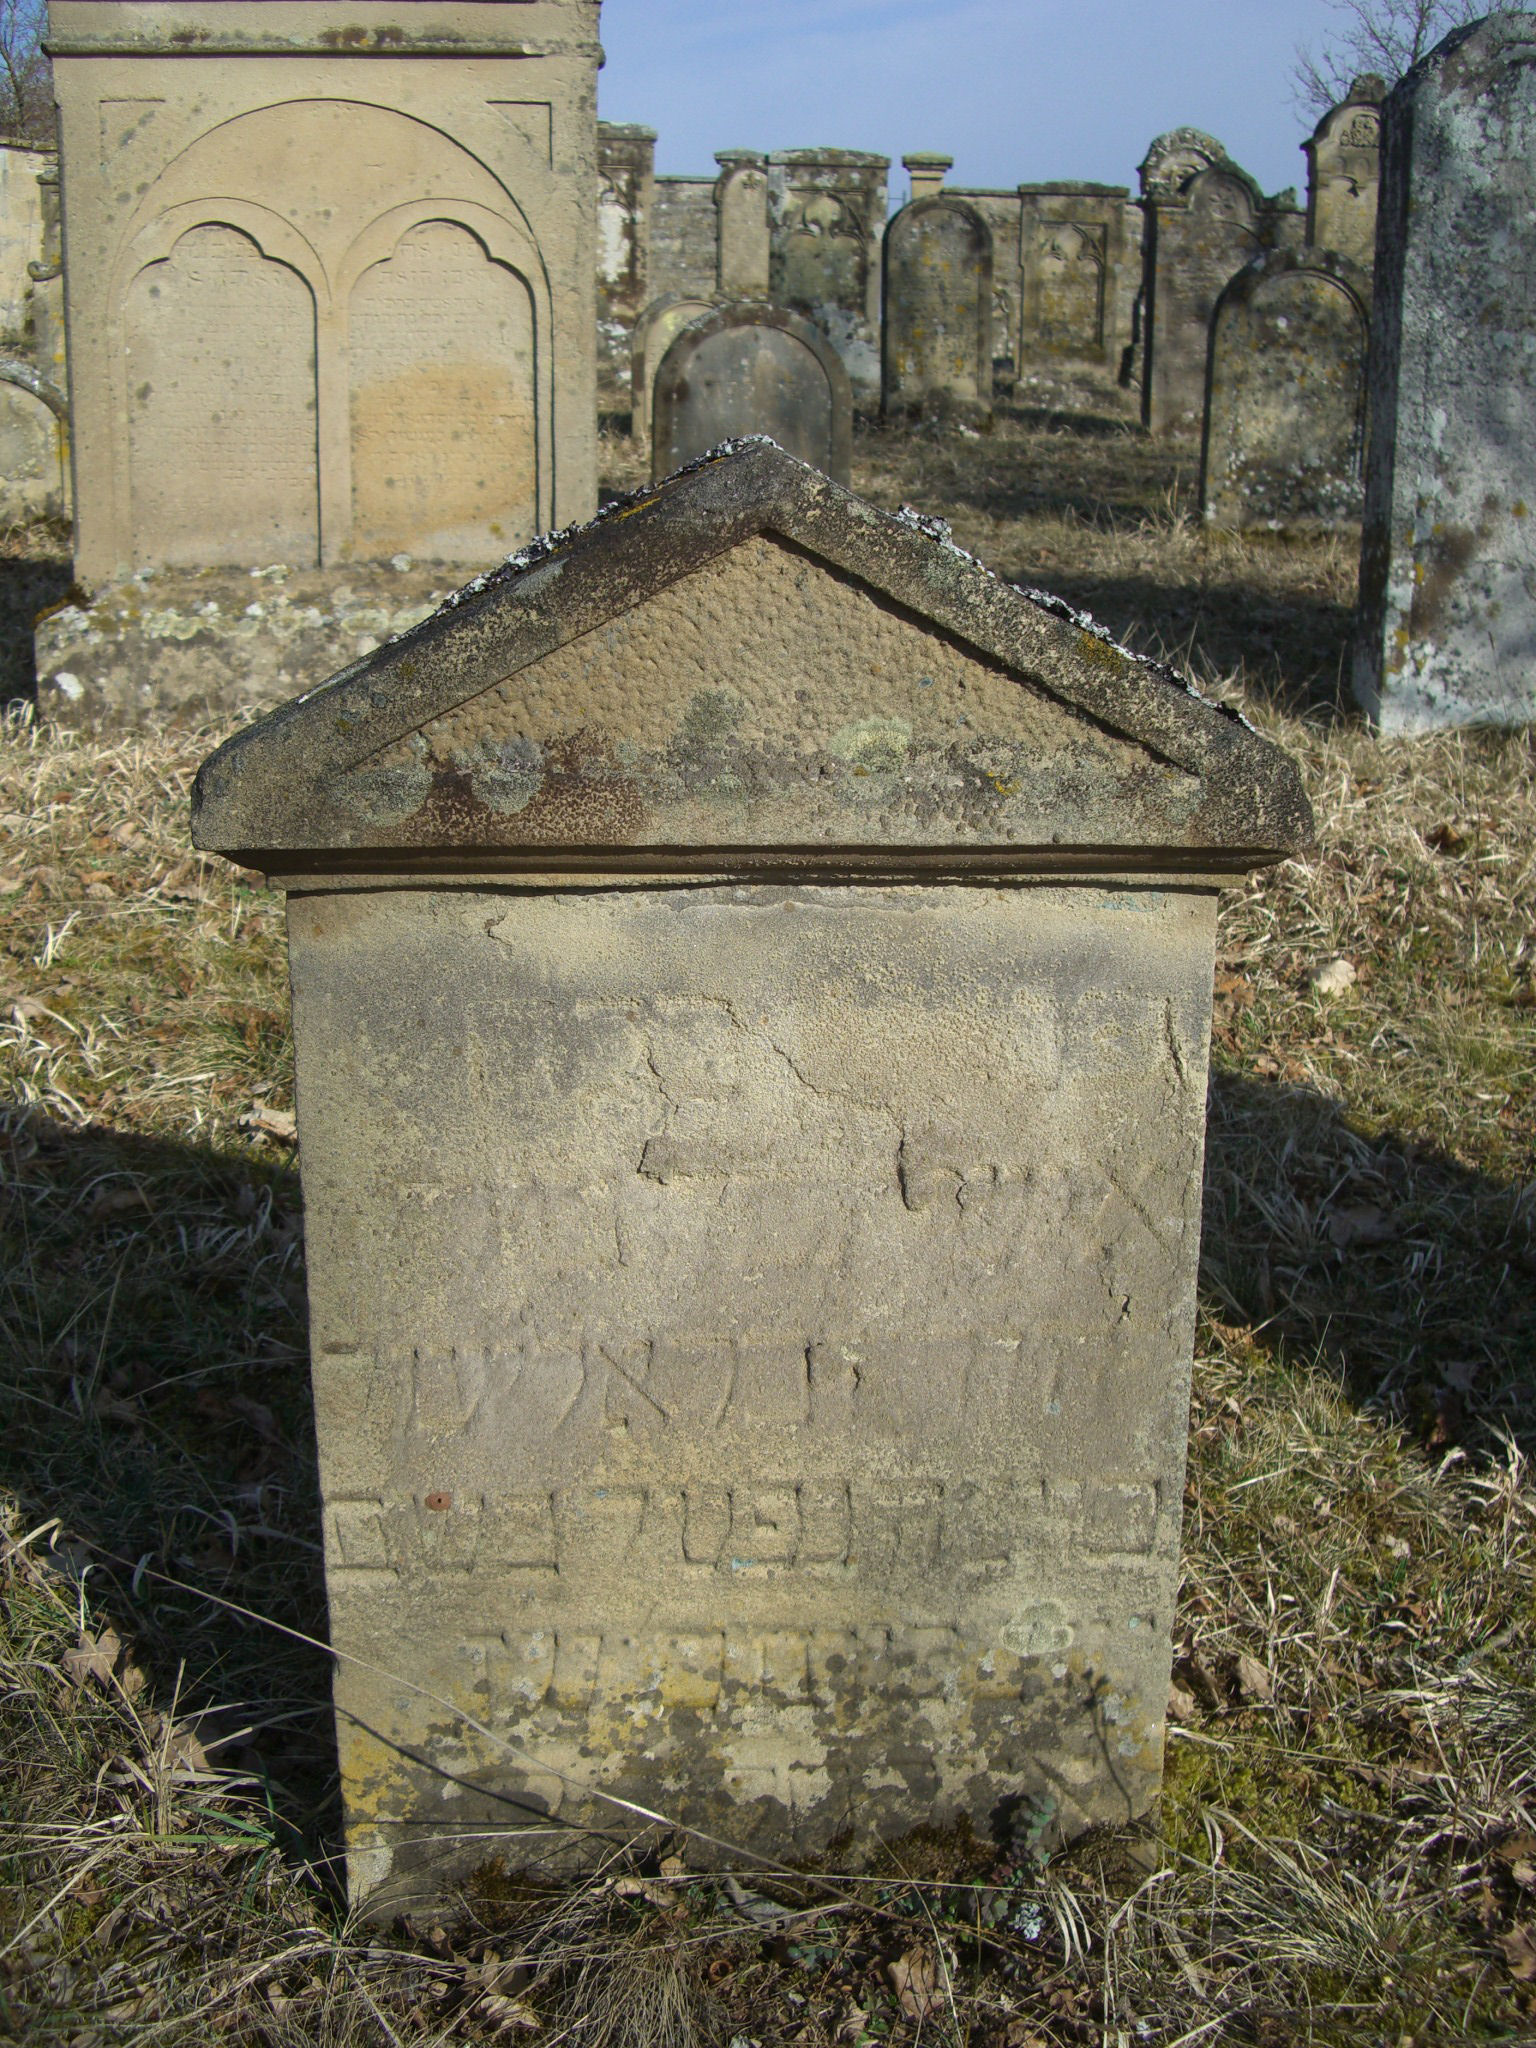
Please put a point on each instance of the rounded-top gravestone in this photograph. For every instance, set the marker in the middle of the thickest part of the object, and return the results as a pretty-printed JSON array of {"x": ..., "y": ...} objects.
[
  {"x": 937, "y": 331},
  {"x": 1285, "y": 393},
  {"x": 752, "y": 369}
]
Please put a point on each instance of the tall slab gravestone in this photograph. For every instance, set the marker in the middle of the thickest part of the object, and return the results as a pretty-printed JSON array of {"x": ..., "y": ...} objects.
[
  {"x": 936, "y": 309},
  {"x": 1447, "y": 619},
  {"x": 752, "y": 984},
  {"x": 1285, "y": 394},
  {"x": 1344, "y": 171},
  {"x": 751, "y": 369}
]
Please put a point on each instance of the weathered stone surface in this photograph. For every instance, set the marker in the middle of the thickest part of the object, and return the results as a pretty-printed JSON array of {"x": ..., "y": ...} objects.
[
  {"x": 1285, "y": 394},
  {"x": 752, "y": 978},
  {"x": 203, "y": 647},
  {"x": 751, "y": 369},
  {"x": 741, "y": 203},
  {"x": 1205, "y": 219},
  {"x": 1447, "y": 623},
  {"x": 826, "y": 211},
  {"x": 626, "y": 168},
  {"x": 1343, "y": 173},
  {"x": 936, "y": 310},
  {"x": 657, "y": 328},
  {"x": 331, "y": 294}
]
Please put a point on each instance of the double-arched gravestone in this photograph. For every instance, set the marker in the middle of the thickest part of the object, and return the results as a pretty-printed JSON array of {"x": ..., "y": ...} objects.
[
  {"x": 752, "y": 369},
  {"x": 936, "y": 336},
  {"x": 1285, "y": 393}
]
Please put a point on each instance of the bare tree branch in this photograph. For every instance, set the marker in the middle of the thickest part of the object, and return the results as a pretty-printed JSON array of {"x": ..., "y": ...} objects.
[
  {"x": 1387, "y": 37},
  {"x": 26, "y": 77}
]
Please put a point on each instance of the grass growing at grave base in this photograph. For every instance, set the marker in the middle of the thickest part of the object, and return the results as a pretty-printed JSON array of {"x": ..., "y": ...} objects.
[{"x": 1346, "y": 1850}]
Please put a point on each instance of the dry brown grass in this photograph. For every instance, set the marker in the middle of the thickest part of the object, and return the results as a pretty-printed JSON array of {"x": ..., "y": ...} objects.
[{"x": 1347, "y": 1846}]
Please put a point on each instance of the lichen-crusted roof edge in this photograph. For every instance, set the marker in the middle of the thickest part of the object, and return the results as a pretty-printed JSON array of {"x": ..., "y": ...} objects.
[{"x": 264, "y": 789}]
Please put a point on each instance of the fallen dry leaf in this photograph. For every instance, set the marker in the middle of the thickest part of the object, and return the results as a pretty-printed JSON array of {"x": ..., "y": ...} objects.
[
  {"x": 1334, "y": 976},
  {"x": 116, "y": 1201},
  {"x": 918, "y": 1982},
  {"x": 1254, "y": 1683},
  {"x": 1518, "y": 1949},
  {"x": 109, "y": 1407},
  {"x": 1182, "y": 1705},
  {"x": 93, "y": 1657}
]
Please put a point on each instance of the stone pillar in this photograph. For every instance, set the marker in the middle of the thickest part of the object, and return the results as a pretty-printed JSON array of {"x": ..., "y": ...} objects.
[
  {"x": 741, "y": 212},
  {"x": 927, "y": 172},
  {"x": 626, "y": 185},
  {"x": 1447, "y": 620},
  {"x": 751, "y": 1305}
]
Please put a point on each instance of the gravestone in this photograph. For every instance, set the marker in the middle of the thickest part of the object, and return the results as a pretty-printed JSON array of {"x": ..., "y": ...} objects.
[
  {"x": 1447, "y": 620},
  {"x": 331, "y": 290},
  {"x": 34, "y": 455},
  {"x": 1285, "y": 394},
  {"x": 1343, "y": 172},
  {"x": 826, "y": 214},
  {"x": 626, "y": 166},
  {"x": 751, "y": 1266},
  {"x": 655, "y": 331},
  {"x": 741, "y": 208},
  {"x": 936, "y": 333},
  {"x": 752, "y": 369},
  {"x": 1205, "y": 218},
  {"x": 1077, "y": 273}
]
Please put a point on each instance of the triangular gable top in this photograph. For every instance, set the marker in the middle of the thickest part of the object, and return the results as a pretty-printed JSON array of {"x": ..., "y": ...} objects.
[{"x": 749, "y": 665}]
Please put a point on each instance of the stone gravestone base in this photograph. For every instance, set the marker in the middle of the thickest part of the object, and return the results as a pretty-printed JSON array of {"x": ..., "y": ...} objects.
[{"x": 204, "y": 646}]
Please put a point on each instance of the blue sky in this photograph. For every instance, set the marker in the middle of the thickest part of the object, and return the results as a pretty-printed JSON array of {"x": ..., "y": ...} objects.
[{"x": 1012, "y": 89}]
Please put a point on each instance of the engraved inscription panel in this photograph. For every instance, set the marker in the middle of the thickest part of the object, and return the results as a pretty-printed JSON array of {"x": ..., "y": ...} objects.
[
  {"x": 749, "y": 1332},
  {"x": 442, "y": 395},
  {"x": 220, "y": 369}
]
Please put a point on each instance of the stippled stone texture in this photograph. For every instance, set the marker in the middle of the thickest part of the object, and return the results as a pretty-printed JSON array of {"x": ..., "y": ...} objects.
[
  {"x": 752, "y": 978},
  {"x": 1447, "y": 624},
  {"x": 936, "y": 313},
  {"x": 1285, "y": 394}
]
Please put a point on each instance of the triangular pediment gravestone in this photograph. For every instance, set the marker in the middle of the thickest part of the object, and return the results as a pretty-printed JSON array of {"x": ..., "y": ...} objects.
[
  {"x": 751, "y": 1266},
  {"x": 749, "y": 658}
]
